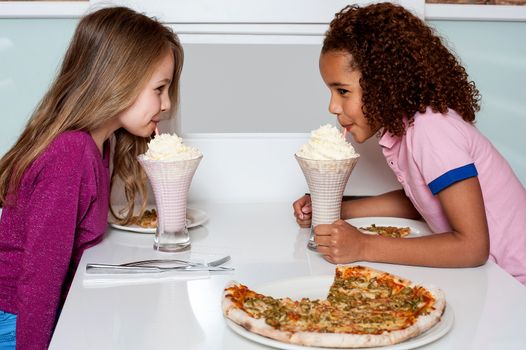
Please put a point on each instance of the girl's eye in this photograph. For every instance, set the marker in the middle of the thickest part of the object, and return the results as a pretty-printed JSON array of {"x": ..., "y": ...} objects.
[
  {"x": 342, "y": 91},
  {"x": 159, "y": 90}
]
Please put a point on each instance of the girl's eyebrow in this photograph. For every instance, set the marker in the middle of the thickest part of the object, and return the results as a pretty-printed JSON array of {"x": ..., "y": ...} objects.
[
  {"x": 165, "y": 81},
  {"x": 338, "y": 84}
]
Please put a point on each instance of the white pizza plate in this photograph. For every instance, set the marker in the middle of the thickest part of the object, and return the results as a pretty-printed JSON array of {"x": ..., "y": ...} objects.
[
  {"x": 418, "y": 228},
  {"x": 316, "y": 287},
  {"x": 194, "y": 217}
]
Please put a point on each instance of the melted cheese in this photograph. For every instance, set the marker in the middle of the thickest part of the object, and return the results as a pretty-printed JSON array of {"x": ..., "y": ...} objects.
[{"x": 358, "y": 303}]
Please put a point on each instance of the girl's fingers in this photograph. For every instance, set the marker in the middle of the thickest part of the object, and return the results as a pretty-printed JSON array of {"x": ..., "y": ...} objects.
[
  {"x": 303, "y": 224},
  {"x": 329, "y": 259},
  {"x": 322, "y": 230},
  {"x": 326, "y": 253},
  {"x": 324, "y": 241},
  {"x": 302, "y": 207},
  {"x": 303, "y": 220},
  {"x": 323, "y": 250},
  {"x": 303, "y": 217},
  {"x": 297, "y": 206}
]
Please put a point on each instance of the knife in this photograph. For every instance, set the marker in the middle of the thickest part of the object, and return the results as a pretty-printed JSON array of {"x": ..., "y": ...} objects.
[{"x": 118, "y": 269}]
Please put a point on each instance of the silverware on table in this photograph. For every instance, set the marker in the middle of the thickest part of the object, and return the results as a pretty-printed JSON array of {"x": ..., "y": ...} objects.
[
  {"x": 156, "y": 262},
  {"x": 146, "y": 267},
  {"x": 117, "y": 269}
]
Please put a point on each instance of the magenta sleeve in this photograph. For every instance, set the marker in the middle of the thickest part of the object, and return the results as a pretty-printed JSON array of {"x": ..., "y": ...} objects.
[{"x": 55, "y": 205}]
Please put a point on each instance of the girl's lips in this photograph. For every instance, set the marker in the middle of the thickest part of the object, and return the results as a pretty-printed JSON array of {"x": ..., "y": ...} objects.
[{"x": 346, "y": 126}]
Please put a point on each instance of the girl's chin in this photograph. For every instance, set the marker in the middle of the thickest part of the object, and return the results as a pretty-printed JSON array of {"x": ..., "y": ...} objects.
[
  {"x": 358, "y": 138},
  {"x": 354, "y": 136},
  {"x": 361, "y": 135},
  {"x": 143, "y": 133},
  {"x": 358, "y": 141}
]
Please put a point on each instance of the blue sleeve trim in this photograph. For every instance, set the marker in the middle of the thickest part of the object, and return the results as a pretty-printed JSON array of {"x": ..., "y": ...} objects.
[{"x": 452, "y": 176}]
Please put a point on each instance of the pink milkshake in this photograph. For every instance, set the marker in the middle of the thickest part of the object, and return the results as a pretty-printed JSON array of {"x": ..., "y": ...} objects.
[{"x": 170, "y": 166}]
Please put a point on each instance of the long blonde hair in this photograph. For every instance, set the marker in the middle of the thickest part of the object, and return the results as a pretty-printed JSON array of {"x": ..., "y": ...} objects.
[{"x": 111, "y": 57}]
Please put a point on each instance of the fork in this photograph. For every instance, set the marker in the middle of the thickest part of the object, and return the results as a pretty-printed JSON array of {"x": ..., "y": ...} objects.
[{"x": 178, "y": 261}]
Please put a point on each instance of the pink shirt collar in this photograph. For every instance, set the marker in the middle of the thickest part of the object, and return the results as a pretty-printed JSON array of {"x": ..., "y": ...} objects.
[{"x": 388, "y": 140}]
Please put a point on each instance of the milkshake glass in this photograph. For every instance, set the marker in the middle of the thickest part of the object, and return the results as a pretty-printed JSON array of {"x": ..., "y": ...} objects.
[
  {"x": 170, "y": 182},
  {"x": 326, "y": 180},
  {"x": 327, "y": 161}
]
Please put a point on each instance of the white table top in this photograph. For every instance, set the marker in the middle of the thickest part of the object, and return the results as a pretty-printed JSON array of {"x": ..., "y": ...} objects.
[{"x": 169, "y": 312}]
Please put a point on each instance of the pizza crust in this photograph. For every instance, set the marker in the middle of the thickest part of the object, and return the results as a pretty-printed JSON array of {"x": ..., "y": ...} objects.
[
  {"x": 425, "y": 322},
  {"x": 338, "y": 340},
  {"x": 341, "y": 340},
  {"x": 251, "y": 324}
]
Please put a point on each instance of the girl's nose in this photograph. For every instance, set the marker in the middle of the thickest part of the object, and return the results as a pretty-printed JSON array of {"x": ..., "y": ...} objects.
[
  {"x": 334, "y": 106},
  {"x": 165, "y": 102}
]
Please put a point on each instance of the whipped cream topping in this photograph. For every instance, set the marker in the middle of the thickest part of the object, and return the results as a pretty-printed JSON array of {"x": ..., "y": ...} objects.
[
  {"x": 170, "y": 147},
  {"x": 327, "y": 143}
]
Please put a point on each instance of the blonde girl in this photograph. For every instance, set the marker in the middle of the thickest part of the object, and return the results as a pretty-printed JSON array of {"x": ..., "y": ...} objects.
[{"x": 119, "y": 76}]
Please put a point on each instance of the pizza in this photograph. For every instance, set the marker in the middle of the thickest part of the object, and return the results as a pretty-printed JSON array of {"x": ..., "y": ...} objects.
[
  {"x": 365, "y": 307},
  {"x": 147, "y": 220},
  {"x": 388, "y": 231}
]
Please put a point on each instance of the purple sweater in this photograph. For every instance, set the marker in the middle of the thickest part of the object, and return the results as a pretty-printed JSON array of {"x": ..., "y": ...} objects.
[{"x": 61, "y": 209}]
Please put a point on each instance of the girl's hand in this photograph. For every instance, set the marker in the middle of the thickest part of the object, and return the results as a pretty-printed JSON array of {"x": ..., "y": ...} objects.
[
  {"x": 339, "y": 243},
  {"x": 303, "y": 210}
]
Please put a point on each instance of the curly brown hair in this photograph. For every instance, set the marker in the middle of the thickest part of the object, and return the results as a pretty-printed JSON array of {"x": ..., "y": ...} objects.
[{"x": 405, "y": 66}]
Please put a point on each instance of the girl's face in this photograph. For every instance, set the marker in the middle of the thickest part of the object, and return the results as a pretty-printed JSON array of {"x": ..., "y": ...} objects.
[
  {"x": 141, "y": 118},
  {"x": 346, "y": 94}
]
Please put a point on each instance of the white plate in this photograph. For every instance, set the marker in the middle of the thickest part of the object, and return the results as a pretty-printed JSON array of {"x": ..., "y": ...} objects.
[
  {"x": 194, "y": 217},
  {"x": 418, "y": 228},
  {"x": 317, "y": 287}
]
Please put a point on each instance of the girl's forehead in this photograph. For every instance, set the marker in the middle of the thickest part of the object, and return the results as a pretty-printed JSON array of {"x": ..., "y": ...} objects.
[
  {"x": 165, "y": 65},
  {"x": 341, "y": 54},
  {"x": 337, "y": 61}
]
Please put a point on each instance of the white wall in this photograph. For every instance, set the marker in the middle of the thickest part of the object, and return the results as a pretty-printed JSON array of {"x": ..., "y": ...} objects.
[
  {"x": 262, "y": 168},
  {"x": 250, "y": 111}
]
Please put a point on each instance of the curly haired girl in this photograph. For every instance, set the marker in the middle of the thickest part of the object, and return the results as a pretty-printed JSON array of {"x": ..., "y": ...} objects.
[
  {"x": 119, "y": 76},
  {"x": 389, "y": 75}
]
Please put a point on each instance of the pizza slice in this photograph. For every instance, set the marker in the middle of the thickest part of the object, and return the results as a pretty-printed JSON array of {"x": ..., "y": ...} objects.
[
  {"x": 388, "y": 231},
  {"x": 386, "y": 307},
  {"x": 279, "y": 319},
  {"x": 147, "y": 220}
]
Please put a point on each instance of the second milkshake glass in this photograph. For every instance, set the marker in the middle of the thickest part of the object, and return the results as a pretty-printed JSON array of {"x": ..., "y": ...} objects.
[
  {"x": 326, "y": 180},
  {"x": 170, "y": 182}
]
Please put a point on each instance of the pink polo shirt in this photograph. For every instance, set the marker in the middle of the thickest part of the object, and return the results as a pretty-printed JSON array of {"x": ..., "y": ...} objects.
[{"x": 438, "y": 150}]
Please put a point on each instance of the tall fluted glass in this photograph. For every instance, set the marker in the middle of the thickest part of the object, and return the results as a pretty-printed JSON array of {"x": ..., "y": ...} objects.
[
  {"x": 170, "y": 182},
  {"x": 326, "y": 180}
]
